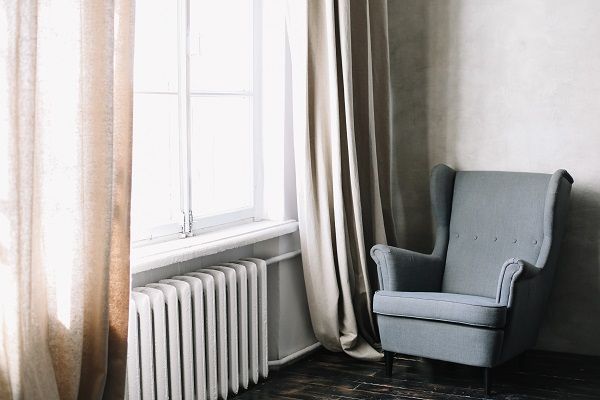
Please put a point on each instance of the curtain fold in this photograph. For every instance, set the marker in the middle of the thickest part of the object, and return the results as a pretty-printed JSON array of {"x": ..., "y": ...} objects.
[
  {"x": 65, "y": 178},
  {"x": 340, "y": 85}
]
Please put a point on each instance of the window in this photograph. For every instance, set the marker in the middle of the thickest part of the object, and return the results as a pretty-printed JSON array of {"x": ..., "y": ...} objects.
[{"x": 195, "y": 116}]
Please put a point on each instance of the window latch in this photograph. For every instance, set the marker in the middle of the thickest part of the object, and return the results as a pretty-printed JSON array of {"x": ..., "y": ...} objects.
[
  {"x": 190, "y": 223},
  {"x": 187, "y": 226}
]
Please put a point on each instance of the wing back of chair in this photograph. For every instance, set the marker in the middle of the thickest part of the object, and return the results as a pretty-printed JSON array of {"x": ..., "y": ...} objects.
[{"x": 496, "y": 216}]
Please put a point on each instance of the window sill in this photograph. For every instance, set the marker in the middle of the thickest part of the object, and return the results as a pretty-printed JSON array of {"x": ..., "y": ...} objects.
[{"x": 158, "y": 255}]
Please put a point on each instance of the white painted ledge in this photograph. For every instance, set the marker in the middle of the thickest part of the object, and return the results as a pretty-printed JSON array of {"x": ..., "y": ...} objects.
[{"x": 158, "y": 255}]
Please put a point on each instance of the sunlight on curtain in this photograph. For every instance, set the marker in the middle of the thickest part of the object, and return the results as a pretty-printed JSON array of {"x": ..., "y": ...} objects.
[{"x": 65, "y": 167}]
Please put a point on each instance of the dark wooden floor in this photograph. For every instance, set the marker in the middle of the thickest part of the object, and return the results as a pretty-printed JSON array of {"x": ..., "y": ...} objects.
[{"x": 535, "y": 375}]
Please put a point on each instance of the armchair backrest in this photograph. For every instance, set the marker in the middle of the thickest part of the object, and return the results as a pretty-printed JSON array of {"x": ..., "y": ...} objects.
[{"x": 495, "y": 216}]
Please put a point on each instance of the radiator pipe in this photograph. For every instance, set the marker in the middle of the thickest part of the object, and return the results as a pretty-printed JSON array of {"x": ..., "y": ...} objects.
[{"x": 282, "y": 257}]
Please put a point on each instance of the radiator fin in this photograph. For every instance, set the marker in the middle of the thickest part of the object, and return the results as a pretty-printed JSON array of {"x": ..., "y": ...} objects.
[
  {"x": 210, "y": 333},
  {"x": 222, "y": 339},
  {"x": 232, "y": 325},
  {"x": 134, "y": 385},
  {"x": 263, "y": 356},
  {"x": 242, "y": 307},
  {"x": 185, "y": 334},
  {"x": 173, "y": 346},
  {"x": 161, "y": 370},
  {"x": 252, "y": 319},
  {"x": 199, "y": 365},
  {"x": 142, "y": 303}
]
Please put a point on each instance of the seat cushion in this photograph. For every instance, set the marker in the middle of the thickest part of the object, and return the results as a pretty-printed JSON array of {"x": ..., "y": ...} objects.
[{"x": 446, "y": 307}]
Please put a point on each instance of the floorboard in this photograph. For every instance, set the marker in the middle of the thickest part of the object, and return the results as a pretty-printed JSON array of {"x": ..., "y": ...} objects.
[{"x": 534, "y": 375}]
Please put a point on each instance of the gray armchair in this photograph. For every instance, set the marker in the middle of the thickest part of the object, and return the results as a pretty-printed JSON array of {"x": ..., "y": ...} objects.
[{"x": 479, "y": 297}]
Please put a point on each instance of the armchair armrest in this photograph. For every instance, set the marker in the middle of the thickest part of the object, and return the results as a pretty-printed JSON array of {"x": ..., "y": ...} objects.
[
  {"x": 513, "y": 271},
  {"x": 405, "y": 270}
]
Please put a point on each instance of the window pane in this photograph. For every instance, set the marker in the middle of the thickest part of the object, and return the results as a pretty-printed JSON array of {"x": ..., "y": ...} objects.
[
  {"x": 155, "y": 46},
  {"x": 221, "y": 151},
  {"x": 155, "y": 181},
  {"x": 220, "y": 45}
]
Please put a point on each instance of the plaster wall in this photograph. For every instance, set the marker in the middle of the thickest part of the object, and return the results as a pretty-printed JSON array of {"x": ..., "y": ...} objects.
[{"x": 504, "y": 85}]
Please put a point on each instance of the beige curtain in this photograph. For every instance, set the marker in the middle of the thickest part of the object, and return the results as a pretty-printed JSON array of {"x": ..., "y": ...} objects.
[
  {"x": 65, "y": 162},
  {"x": 340, "y": 74}
]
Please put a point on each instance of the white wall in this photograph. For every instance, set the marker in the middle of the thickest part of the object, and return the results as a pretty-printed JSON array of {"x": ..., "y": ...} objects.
[{"x": 505, "y": 85}]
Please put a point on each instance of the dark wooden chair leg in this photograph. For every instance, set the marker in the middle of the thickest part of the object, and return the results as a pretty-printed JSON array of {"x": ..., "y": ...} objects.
[
  {"x": 389, "y": 362},
  {"x": 487, "y": 380}
]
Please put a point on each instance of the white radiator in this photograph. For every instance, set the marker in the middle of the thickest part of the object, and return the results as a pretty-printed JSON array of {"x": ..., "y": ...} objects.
[{"x": 201, "y": 335}]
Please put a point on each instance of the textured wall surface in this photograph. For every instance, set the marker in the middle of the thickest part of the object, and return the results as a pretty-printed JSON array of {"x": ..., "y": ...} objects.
[{"x": 505, "y": 85}]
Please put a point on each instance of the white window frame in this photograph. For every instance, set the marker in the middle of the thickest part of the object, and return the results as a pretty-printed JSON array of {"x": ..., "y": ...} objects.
[{"x": 190, "y": 225}]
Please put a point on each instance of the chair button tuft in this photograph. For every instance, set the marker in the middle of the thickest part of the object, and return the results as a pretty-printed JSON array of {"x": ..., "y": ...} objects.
[
  {"x": 535, "y": 242},
  {"x": 475, "y": 237},
  {"x": 514, "y": 240},
  {"x": 495, "y": 238}
]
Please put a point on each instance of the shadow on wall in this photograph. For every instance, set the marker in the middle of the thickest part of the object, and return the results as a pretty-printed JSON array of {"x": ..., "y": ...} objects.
[
  {"x": 571, "y": 321},
  {"x": 409, "y": 43}
]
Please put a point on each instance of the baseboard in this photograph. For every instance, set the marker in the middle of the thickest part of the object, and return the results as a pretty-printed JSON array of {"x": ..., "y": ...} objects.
[{"x": 291, "y": 358}]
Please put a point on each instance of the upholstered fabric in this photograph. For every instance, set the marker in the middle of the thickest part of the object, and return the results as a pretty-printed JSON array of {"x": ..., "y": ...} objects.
[
  {"x": 479, "y": 298},
  {"x": 421, "y": 272},
  {"x": 509, "y": 273},
  {"x": 495, "y": 216},
  {"x": 462, "y": 344},
  {"x": 445, "y": 307},
  {"x": 442, "y": 191}
]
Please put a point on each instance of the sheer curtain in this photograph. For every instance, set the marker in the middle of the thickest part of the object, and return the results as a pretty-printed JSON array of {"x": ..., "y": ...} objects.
[
  {"x": 341, "y": 113},
  {"x": 65, "y": 166}
]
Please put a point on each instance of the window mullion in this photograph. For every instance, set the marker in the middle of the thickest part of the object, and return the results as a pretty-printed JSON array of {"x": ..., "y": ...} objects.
[
  {"x": 256, "y": 106},
  {"x": 184, "y": 114}
]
